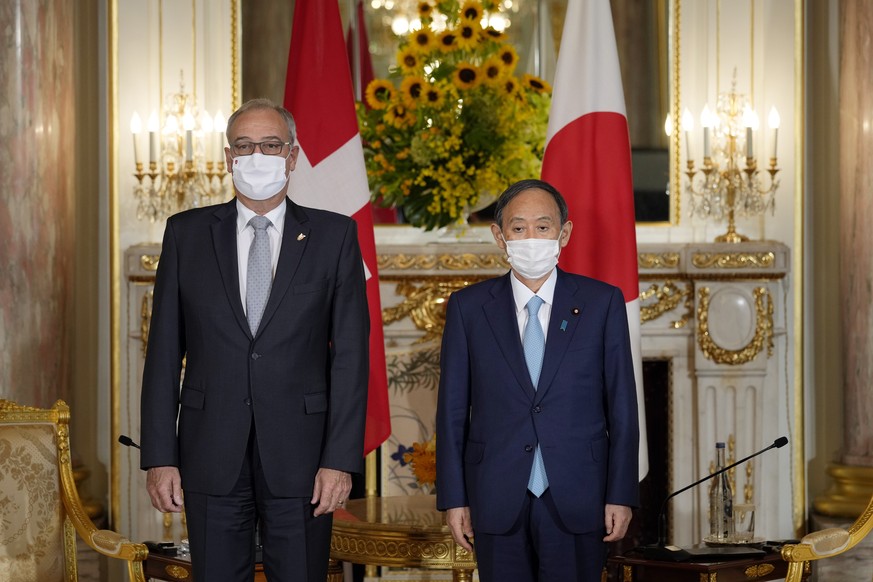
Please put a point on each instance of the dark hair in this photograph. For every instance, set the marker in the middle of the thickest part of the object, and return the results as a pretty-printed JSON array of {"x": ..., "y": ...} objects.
[
  {"x": 253, "y": 104},
  {"x": 523, "y": 186}
]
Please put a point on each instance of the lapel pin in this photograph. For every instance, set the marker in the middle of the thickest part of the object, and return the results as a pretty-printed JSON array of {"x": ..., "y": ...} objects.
[
  {"x": 575, "y": 311},
  {"x": 564, "y": 325},
  {"x": 301, "y": 236}
]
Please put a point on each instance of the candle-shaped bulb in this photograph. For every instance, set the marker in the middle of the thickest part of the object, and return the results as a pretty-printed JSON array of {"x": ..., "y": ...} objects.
[
  {"x": 205, "y": 122},
  {"x": 773, "y": 120},
  {"x": 668, "y": 125},
  {"x": 750, "y": 122},
  {"x": 188, "y": 122},
  {"x": 707, "y": 121},
  {"x": 172, "y": 125},
  {"x": 219, "y": 124},
  {"x": 135, "y": 129},
  {"x": 687, "y": 120},
  {"x": 153, "y": 136}
]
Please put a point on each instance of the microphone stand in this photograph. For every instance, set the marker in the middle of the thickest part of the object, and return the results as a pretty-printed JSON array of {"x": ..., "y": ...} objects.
[{"x": 661, "y": 551}]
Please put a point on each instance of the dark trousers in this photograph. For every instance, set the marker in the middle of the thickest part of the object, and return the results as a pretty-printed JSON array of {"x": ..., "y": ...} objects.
[
  {"x": 539, "y": 548},
  {"x": 221, "y": 531}
]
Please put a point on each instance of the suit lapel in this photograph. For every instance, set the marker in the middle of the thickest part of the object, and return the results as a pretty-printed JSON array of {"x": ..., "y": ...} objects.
[
  {"x": 224, "y": 241},
  {"x": 501, "y": 316},
  {"x": 295, "y": 238},
  {"x": 566, "y": 307}
]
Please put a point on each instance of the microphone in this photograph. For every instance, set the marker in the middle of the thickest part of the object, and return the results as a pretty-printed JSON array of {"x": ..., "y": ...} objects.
[
  {"x": 661, "y": 551},
  {"x": 127, "y": 441}
]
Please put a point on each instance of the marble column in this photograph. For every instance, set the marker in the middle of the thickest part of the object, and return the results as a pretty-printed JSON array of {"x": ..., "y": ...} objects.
[{"x": 37, "y": 130}]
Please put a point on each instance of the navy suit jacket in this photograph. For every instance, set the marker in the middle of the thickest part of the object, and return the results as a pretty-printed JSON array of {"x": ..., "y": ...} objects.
[
  {"x": 302, "y": 380},
  {"x": 584, "y": 414}
]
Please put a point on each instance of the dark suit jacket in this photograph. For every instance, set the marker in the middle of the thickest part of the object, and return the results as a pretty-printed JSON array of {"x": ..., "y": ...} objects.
[
  {"x": 584, "y": 414},
  {"x": 302, "y": 380}
]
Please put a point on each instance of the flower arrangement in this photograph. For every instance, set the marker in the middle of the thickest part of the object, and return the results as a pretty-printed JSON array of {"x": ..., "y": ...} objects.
[
  {"x": 459, "y": 126},
  {"x": 422, "y": 459}
]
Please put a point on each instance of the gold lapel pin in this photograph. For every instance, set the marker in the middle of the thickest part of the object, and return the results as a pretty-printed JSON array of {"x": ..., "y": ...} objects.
[{"x": 301, "y": 236}]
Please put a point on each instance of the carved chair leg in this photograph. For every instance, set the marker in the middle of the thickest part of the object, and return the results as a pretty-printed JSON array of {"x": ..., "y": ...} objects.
[{"x": 334, "y": 570}]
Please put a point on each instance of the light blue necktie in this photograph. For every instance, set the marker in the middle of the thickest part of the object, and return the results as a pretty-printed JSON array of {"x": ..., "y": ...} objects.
[
  {"x": 534, "y": 343},
  {"x": 259, "y": 276}
]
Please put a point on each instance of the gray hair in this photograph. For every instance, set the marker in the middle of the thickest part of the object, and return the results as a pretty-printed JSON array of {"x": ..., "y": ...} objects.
[
  {"x": 262, "y": 103},
  {"x": 523, "y": 186}
]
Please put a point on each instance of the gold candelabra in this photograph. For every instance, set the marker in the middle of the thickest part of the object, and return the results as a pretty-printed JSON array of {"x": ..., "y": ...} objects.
[
  {"x": 730, "y": 184},
  {"x": 186, "y": 167}
]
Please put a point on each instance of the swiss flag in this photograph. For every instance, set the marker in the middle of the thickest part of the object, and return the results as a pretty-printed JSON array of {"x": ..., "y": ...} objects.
[
  {"x": 330, "y": 172},
  {"x": 588, "y": 160}
]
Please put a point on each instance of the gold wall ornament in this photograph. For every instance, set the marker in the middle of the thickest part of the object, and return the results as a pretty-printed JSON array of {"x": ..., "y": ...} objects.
[
  {"x": 448, "y": 262},
  {"x": 733, "y": 260},
  {"x": 763, "y": 331},
  {"x": 658, "y": 260},
  {"x": 149, "y": 262},
  {"x": 145, "y": 319},
  {"x": 667, "y": 297},
  {"x": 758, "y": 571},
  {"x": 425, "y": 304}
]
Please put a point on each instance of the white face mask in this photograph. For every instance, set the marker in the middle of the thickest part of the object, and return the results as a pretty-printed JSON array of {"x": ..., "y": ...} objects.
[
  {"x": 533, "y": 258},
  {"x": 259, "y": 177}
]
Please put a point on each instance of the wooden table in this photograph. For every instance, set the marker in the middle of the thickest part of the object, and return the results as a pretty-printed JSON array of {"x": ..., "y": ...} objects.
[
  {"x": 403, "y": 531},
  {"x": 631, "y": 568}
]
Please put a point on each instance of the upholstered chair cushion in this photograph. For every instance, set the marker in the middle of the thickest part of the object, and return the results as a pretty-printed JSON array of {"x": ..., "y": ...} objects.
[{"x": 31, "y": 527}]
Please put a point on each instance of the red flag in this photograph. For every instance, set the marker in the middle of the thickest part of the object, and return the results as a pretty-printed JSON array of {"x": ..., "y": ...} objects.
[
  {"x": 330, "y": 172},
  {"x": 588, "y": 160}
]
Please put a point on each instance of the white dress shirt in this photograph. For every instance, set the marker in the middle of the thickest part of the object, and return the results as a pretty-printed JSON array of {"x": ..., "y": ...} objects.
[
  {"x": 245, "y": 234},
  {"x": 522, "y": 294}
]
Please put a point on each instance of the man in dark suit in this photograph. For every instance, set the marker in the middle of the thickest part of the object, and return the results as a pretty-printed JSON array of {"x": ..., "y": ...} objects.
[
  {"x": 266, "y": 302},
  {"x": 537, "y": 412}
]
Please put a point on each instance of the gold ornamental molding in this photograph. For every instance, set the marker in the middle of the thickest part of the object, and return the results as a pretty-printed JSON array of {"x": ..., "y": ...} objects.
[
  {"x": 149, "y": 262},
  {"x": 145, "y": 318},
  {"x": 658, "y": 260},
  {"x": 758, "y": 571},
  {"x": 446, "y": 261},
  {"x": 425, "y": 304},
  {"x": 763, "y": 331},
  {"x": 759, "y": 260},
  {"x": 667, "y": 297},
  {"x": 849, "y": 493},
  {"x": 177, "y": 572}
]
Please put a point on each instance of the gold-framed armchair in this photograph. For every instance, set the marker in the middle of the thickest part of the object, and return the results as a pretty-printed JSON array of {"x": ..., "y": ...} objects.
[
  {"x": 825, "y": 543},
  {"x": 40, "y": 510}
]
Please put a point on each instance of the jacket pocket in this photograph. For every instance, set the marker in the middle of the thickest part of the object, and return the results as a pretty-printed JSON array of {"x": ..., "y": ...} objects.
[
  {"x": 192, "y": 397},
  {"x": 315, "y": 402},
  {"x": 474, "y": 452},
  {"x": 600, "y": 449},
  {"x": 312, "y": 287}
]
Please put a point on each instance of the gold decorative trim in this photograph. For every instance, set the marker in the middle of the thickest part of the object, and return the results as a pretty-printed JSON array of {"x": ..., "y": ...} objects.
[
  {"x": 176, "y": 572},
  {"x": 449, "y": 262},
  {"x": 424, "y": 304},
  {"x": 668, "y": 297},
  {"x": 149, "y": 262},
  {"x": 762, "y": 260},
  {"x": 627, "y": 573},
  {"x": 658, "y": 260},
  {"x": 758, "y": 571},
  {"x": 763, "y": 331},
  {"x": 849, "y": 494},
  {"x": 145, "y": 318}
]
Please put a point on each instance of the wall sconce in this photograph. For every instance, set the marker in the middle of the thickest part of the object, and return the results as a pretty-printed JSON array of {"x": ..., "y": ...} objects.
[{"x": 186, "y": 167}]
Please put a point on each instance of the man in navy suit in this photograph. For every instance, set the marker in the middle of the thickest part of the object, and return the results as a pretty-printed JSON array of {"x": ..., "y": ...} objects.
[
  {"x": 537, "y": 414},
  {"x": 266, "y": 303}
]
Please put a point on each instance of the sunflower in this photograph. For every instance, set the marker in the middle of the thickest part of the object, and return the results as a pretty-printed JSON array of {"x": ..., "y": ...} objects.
[
  {"x": 448, "y": 41},
  {"x": 434, "y": 96},
  {"x": 492, "y": 71},
  {"x": 423, "y": 40},
  {"x": 468, "y": 34},
  {"x": 508, "y": 56},
  {"x": 379, "y": 93},
  {"x": 471, "y": 10},
  {"x": 411, "y": 90},
  {"x": 466, "y": 76},
  {"x": 535, "y": 83},
  {"x": 492, "y": 33},
  {"x": 510, "y": 86},
  {"x": 408, "y": 59},
  {"x": 399, "y": 116},
  {"x": 422, "y": 460},
  {"x": 425, "y": 10}
]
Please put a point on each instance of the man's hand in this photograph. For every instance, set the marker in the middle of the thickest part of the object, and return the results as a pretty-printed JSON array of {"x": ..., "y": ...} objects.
[
  {"x": 618, "y": 517},
  {"x": 331, "y": 490},
  {"x": 164, "y": 485},
  {"x": 458, "y": 520}
]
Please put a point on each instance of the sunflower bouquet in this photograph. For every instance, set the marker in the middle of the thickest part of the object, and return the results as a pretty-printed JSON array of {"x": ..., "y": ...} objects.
[
  {"x": 422, "y": 460},
  {"x": 453, "y": 125}
]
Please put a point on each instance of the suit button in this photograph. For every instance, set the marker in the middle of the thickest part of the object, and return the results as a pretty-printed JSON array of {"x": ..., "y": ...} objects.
[
  {"x": 537, "y": 409},
  {"x": 255, "y": 356},
  {"x": 248, "y": 401},
  {"x": 527, "y": 448}
]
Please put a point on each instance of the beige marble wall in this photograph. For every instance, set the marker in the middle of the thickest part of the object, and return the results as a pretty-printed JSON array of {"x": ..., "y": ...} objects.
[
  {"x": 856, "y": 174},
  {"x": 37, "y": 131}
]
